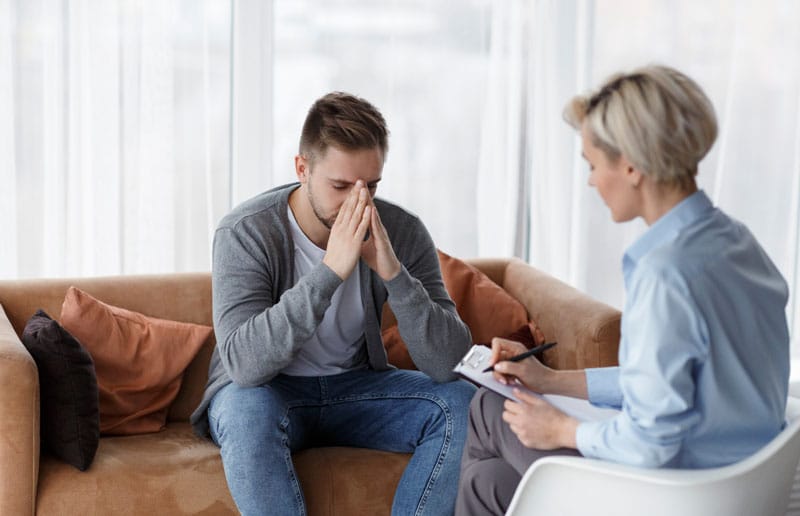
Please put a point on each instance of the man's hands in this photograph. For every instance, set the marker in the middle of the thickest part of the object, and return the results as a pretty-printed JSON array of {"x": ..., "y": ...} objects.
[
  {"x": 346, "y": 242},
  {"x": 347, "y": 233},
  {"x": 377, "y": 250}
]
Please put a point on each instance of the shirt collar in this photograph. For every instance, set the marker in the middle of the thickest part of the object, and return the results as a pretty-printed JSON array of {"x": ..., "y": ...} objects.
[{"x": 683, "y": 214}]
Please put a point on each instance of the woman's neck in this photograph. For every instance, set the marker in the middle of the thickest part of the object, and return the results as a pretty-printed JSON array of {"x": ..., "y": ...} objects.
[{"x": 660, "y": 199}]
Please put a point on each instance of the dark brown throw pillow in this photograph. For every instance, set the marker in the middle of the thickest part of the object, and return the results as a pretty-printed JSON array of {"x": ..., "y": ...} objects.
[{"x": 69, "y": 417}]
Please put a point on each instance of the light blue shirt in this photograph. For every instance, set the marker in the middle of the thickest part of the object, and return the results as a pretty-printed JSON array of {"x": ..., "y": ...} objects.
[{"x": 704, "y": 355}]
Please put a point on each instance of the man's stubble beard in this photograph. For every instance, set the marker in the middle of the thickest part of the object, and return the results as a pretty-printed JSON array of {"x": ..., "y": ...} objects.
[{"x": 328, "y": 223}]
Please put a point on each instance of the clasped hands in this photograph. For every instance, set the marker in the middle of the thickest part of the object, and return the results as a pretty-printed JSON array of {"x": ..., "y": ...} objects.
[
  {"x": 536, "y": 423},
  {"x": 346, "y": 243}
]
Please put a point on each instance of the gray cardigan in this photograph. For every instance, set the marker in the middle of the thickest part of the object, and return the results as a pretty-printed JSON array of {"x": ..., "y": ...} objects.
[{"x": 263, "y": 314}]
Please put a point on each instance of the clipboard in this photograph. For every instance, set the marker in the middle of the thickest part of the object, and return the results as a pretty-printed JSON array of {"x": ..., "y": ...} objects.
[{"x": 478, "y": 358}]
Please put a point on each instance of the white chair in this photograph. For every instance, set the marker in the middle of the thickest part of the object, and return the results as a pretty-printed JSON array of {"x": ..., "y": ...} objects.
[{"x": 756, "y": 486}]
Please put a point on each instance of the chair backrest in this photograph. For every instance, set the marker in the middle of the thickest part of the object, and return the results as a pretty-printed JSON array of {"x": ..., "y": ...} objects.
[
  {"x": 764, "y": 480},
  {"x": 758, "y": 485}
]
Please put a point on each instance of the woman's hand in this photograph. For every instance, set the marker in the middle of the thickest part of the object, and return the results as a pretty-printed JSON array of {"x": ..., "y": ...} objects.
[
  {"x": 530, "y": 372},
  {"x": 538, "y": 424}
]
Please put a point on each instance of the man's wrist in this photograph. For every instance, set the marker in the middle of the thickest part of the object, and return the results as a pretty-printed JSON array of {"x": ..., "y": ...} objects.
[
  {"x": 392, "y": 274},
  {"x": 336, "y": 267}
]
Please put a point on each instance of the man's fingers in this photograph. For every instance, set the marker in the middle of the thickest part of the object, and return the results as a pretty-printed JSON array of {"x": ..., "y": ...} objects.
[
  {"x": 347, "y": 207},
  {"x": 377, "y": 224},
  {"x": 352, "y": 209},
  {"x": 359, "y": 209},
  {"x": 363, "y": 224}
]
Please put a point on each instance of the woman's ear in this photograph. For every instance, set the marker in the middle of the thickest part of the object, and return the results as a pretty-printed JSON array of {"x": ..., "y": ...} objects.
[{"x": 632, "y": 173}]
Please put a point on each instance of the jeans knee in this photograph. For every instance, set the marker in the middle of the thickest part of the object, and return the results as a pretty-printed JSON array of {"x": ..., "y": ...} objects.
[
  {"x": 458, "y": 396},
  {"x": 254, "y": 415}
]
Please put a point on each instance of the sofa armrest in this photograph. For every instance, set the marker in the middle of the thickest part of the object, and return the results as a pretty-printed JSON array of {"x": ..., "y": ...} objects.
[
  {"x": 587, "y": 331},
  {"x": 19, "y": 425}
]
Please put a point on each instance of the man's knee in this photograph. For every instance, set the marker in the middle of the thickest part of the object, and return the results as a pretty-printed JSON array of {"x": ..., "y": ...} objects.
[
  {"x": 257, "y": 414},
  {"x": 457, "y": 395}
]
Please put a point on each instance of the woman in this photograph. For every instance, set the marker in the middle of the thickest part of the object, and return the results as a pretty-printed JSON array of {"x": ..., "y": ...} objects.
[{"x": 704, "y": 355}]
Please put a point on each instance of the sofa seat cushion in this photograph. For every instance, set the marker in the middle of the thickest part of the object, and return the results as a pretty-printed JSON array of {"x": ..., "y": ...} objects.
[
  {"x": 168, "y": 472},
  {"x": 175, "y": 472},
  {"x": 339, "y": 480}
]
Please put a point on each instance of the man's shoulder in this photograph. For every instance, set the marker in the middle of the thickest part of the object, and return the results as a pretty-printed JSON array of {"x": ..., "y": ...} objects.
[
  {"x": 263, "y": 207},
  {"x": 393, "y": 215}
]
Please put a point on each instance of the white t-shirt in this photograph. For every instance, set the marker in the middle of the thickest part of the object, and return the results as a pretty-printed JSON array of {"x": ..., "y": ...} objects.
[{"x": 338, "y": 343}]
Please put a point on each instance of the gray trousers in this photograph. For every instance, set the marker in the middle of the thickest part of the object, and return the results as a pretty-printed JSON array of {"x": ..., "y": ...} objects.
[{"x": 494, "y": 459}]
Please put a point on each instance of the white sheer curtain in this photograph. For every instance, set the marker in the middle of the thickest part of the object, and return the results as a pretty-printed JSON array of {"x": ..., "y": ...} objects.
[
  {"x": 502, "y": 222},
  {"x": 128, "y": 128},
  {"x": 445, "y": 74},
  {"x": 114, "y": 137},
  {"x": 745, "y": 54},
  {"x": 133, "y": 126}
]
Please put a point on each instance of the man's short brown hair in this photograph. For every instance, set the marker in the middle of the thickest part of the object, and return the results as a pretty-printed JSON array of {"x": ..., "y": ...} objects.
[{"x": 343, "y": 121}]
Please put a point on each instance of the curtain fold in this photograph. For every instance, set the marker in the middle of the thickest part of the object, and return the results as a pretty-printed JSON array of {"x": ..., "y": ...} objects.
[
  {"x": 251, "y": 99},
  {"x": 744, "y": 54},
  {"x": 115, "y": 140},
  {"x": 501, "y": 180},
  {"x": 8, "y": 192}
]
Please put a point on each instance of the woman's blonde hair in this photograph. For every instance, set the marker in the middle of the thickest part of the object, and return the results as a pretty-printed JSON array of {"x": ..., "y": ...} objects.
[{"x": 657, "y": 117}]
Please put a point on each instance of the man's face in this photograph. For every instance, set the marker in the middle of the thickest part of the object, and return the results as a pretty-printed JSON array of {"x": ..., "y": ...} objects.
[{"x": 329, "y": 178}]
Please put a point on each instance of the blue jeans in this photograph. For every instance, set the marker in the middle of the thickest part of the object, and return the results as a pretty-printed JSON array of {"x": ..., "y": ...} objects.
[{"x": 258, "y": 428}]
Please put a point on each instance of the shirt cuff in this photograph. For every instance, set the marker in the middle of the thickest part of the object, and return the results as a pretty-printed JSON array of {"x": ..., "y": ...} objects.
[
  {"x": 602, "y": 386},
  {"x": 588, "y": 434}
]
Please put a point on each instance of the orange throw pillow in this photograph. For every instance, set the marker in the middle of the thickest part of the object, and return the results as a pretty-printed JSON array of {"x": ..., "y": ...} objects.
[
  {"x": 484, "y": 306},
  {"x": 139, "y": 360}
]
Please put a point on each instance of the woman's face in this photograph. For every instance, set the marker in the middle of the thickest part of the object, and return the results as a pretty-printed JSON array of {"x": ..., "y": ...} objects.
[{"x": 615, "y": 181}]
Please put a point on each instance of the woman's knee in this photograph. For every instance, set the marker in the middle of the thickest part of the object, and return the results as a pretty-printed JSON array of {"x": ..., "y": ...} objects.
[{"x": 486, "y": 487}]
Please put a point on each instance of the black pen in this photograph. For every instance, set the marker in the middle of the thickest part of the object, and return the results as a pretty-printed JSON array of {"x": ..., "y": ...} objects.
[{"x": 517, "y": 358}]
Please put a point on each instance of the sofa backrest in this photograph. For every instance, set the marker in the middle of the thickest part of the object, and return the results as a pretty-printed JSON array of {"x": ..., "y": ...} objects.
[
  {"x": 587, "y": 331},
  {"x": 177, "y": 297}
]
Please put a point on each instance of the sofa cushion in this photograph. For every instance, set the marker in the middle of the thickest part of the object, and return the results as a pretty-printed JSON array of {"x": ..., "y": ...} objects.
[
  {"x": 177, "y": 473},
  {"x": 484, "y": 306},
  {"x": 69, "y": 420},
  {"x": 139, "y": 360},
  {"x": 170, "y": 472}
]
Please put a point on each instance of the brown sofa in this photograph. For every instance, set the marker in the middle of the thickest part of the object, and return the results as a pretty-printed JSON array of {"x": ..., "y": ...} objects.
[{"x": 174, "y": 472}]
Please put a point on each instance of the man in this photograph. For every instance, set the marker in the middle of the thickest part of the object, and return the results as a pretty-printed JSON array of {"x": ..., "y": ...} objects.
[{"x": 300, "y": 276}]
